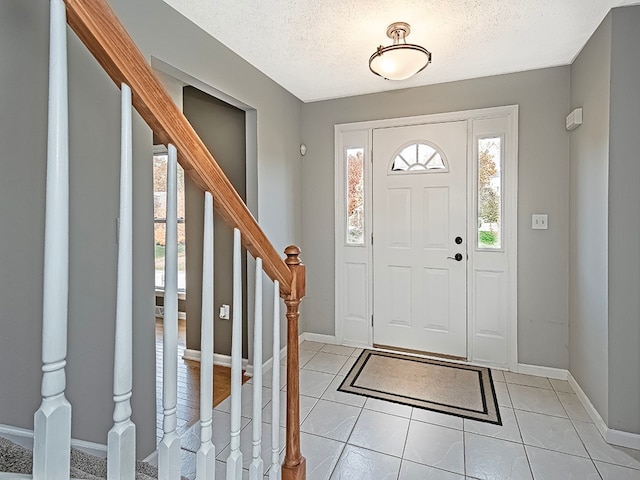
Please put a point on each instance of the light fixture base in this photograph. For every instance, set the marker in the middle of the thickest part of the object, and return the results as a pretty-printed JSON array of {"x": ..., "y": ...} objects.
[{"x": 398, "y": 30}]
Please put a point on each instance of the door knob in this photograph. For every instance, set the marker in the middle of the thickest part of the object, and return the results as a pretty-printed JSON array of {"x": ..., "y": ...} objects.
[{"x": 457, "y": 257}]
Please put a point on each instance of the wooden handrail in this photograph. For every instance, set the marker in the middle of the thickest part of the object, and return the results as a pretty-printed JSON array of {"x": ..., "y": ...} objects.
[
  {"x": 105, "y": 37},
  {"x": 103, "y": 34}
]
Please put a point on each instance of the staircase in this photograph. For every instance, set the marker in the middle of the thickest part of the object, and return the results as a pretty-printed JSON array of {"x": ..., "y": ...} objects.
[{"x": 104, "y": 36}]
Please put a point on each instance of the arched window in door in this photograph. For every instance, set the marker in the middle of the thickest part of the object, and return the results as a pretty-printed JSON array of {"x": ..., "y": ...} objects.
[{"x": 419, "y": 157}]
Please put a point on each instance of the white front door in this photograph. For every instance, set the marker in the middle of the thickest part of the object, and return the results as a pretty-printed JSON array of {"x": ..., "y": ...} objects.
[{"x": 420, "y": 244}]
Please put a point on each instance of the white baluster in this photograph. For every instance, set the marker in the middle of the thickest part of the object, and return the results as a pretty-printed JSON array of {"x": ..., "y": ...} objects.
[
  {"x": 206, "y": 457},
  {"x": 256, "y": 468},
  {"x": 274, "y": 471},
  {"x": 234, "y": 461},
  {"x": 169, "y": 447},
  {"x": 121, "y": 441},
  {"x": 52, "y": 421}
]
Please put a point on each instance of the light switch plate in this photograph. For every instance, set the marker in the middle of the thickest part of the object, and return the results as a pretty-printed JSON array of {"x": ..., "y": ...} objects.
[{"x": 539, "y": 221}]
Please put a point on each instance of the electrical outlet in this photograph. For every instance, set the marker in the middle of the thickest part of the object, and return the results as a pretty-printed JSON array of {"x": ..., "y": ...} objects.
[
  {"x": 539, "y": 221},
  {"x": 224, "y": 312}
]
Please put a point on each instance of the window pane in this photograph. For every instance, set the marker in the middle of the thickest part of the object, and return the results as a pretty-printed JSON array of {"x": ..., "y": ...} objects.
[
  {"x": 418, "y": 157},
  {"x": 489, "y": 193},
  {"x": 355, "y": 196},
  {"x": 159, "y": 213},
  {"x": 159, "y": 236}
]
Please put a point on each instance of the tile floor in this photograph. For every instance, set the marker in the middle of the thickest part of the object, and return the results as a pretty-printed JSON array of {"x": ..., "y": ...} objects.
[{"x": 546, "y": 433}]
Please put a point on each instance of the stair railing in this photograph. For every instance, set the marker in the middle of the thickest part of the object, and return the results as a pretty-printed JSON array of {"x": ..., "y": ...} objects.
[{"x": 102, "y": 33}]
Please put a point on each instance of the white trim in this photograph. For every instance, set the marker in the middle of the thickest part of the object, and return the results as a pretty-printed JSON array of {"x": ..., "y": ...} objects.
[
  {"x": 181, "y": 315},
  {"x": 538, "y": 371},
  {"x": 510, "y": 206},
  {"x": 95, "y": 449},
  {"x": 218, "y": 359},
  {"x": 610, "y": 435},
  {"x": 623, "y": 439},
  {"x": 588, "y": 406},
  {"x": 318, "y": 337},
  {"x": 152, "y": 458},
  {"x": 182, "y": 294},
  {"x": 476, "y": 114}
]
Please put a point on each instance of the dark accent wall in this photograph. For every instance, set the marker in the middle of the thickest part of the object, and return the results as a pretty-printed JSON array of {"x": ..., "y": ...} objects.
[{"x": 222, "y": 128}]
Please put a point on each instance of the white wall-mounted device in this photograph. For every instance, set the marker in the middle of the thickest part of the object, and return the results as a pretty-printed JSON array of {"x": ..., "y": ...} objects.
[
  {"x": 574, "y": 119},
  {"x": 224, "y": 312}
]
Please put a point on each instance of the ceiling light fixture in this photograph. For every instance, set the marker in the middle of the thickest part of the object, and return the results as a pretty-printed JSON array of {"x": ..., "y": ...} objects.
[{"x": 401, "y": 60}]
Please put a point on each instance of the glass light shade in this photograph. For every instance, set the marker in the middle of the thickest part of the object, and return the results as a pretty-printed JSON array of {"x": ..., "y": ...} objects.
[{"x": 399, "y": 62}]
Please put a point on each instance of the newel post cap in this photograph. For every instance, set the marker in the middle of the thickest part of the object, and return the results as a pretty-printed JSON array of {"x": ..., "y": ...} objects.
[{"x": 293, "y": 255}]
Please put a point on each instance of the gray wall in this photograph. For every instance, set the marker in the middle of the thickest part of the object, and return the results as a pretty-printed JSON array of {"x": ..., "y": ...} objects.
[
  {"x": 222, "y": 129},
  {"x": 543, "y": 179},
  {"x": 23, "y": 103},
  {"x": 588, "y": 294},
  {"x": 94, "y": 169},
  {"x": 605, "y": 226},
  {"x": 624, "y": 222},
  {"x": 94, "y": 110}
]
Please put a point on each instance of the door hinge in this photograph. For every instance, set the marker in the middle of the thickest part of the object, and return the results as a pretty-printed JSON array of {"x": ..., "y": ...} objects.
[
  {"x": 371, "y": 238},
  {"x": 372, "y": 320}
]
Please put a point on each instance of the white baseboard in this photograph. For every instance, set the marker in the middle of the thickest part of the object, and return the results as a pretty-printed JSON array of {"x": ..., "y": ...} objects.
[
  {"x": 623, "y": 439},
  {"x": 318, "y": 337},
  {"x": 538, "y": 371},
  {"x": 11, "y": 432},
  {"x": 218, "y": 359},
  {"x": 610, "y": 435},
  {"x": 588, "y": 406},
  {"x": 152, "y": 459}
]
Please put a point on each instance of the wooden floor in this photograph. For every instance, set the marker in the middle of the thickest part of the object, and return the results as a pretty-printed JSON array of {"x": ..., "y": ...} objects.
[{"x": 188, "y": 382}]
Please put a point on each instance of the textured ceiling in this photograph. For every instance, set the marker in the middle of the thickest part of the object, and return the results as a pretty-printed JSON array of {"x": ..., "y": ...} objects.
[{"x": 319, "y": 49}]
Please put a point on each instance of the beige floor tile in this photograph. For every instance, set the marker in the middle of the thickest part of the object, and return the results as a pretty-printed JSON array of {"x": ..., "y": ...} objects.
[
  {"x": 527, "y": 380},
  {"x": 414, "y": 471},
  {"x": 536, "y": 400},
  {"x": 507, "y": 431},
  {"x": 549, "y": 465},
  {"x": 548, "y": 432},
  {"x": 360, "y": 464},
  {"x": 616, "y": 472},
  {"x": 331, "y": 420},
  {"x": 492, "y": 458},
  {"x": 380, "y": 432},
  {"x": 435, "y": 446},
  {"x": 561, "y": 385}
]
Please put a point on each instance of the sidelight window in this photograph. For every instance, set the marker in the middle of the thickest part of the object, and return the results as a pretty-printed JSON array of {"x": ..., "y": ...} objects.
[
  {"x": 355, "y": 196},
  {"x": 489, "y": 192}
]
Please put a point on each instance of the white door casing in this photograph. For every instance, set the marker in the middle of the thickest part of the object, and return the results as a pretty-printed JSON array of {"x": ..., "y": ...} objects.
[
  {"x": 419, "y": 287},
  {"x": 491, "y": 273}
]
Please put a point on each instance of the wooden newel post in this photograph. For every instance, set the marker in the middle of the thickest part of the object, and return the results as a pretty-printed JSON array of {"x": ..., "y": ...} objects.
[{"x": 294, "y": 466}]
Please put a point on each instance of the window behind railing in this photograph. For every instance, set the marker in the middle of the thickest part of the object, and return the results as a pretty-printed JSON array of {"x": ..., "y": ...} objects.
[{"x": 160, "y": 218}]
